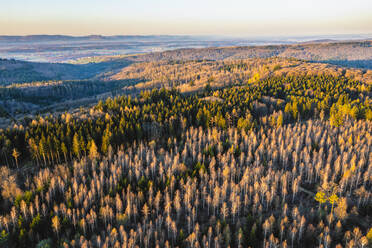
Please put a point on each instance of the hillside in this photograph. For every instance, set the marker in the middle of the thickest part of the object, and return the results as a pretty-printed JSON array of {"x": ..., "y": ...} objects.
[
  {"x": 15, "y": 71},
  {"x": 188, "y": 76},
  {"x": 278, "y": 162},
  {"x": 358, "y": 53},
  {"x": 218, "y": 147},
  {"x": 127, "y": 77}
]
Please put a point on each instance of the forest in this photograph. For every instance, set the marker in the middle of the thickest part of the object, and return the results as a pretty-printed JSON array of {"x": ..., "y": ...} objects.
[
  {"x": 191, "y": 76},
  {"x": 130, "y": 78},
  {"x": 278, "y": 161}
]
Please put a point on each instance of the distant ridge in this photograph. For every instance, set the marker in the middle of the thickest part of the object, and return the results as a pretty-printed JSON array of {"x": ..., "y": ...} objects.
[
  {"x": 30, "y": 38},
  {"x": 319, "y": 41},
  {"x": 98, "y": 37}
]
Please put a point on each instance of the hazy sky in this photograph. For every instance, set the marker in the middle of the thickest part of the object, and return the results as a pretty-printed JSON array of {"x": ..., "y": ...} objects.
[{"x": 219, "y": 17}]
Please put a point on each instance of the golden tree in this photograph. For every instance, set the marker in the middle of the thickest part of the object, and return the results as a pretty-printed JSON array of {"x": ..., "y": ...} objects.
[
  {"x": 332, "y": 199},
  {"x": 16, "y": 154},
  {"x": 56, "y": 224},
  {"x": 93, "y": 153},
  {"x": 320, "y": 197},
  {"x": 341, "y": 209},
  {"x": 369, "y": 236},
  {"x": 328, "y": 193}
]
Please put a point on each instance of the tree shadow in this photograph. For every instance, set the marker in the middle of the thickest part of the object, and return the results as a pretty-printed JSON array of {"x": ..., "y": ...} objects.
[{"x": 357, "y": 64}]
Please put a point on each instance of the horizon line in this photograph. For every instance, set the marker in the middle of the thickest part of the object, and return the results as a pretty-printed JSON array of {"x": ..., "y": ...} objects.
[{"x": 207, "y": 35}]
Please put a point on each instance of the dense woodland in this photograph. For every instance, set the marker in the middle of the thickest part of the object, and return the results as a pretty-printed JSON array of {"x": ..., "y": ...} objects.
[
  {"x": 130, "y": 75},
  {"x": 45, "y": 93},
  {"x": 193, "y": 75},
  {"x": 358, "y": 53},
  {"x": 19, "y": 72},
  {"x": 279, "y": 162},
  {"x": 163, "y": 112}
]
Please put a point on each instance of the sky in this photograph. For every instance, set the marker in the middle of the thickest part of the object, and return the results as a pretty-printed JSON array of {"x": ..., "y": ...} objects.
[{"x": 246, "y": 18}]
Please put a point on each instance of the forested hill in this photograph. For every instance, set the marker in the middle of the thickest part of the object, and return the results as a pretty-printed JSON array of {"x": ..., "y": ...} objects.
[
  {"x": 128, "y": 77},
  {"x": 357, "y": 53},
  {"x": 300, "y": 97},
  {"x": 194, "y": 75},
  {"x": 215, "y": 147},
  {"x": 15, "y": 71},
  {"x": 282, "y": 161}
]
